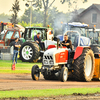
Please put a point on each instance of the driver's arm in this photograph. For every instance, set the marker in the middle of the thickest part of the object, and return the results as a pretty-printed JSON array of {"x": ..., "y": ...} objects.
[{"x": 66, "y": 44}]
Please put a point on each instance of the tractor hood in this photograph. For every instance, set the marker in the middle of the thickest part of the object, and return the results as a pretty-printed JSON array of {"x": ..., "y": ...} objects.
[
  {"x": 50, "y": 51},
  {"x": 55, "y": 56},
  {"x": 54, "y": 51}
]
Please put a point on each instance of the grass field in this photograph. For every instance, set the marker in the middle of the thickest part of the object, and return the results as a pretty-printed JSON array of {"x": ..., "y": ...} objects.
[
  {"x": 47, "y": 92},
  {"x": 21, "y": 67}
]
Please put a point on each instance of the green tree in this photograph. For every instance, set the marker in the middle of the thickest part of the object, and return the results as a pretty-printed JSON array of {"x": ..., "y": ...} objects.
[
  {"x": 37, "y": 16},
  {"x": 46, "y": 5},
  {"x": 55, "y": 17},
  {"x": 24, "y": 24},
  {"x": 43, "y": 4},
  {"x": 15, "y": 9},
  {"x": 70, "y": 1},
  {"x": 25, "y": 17}
]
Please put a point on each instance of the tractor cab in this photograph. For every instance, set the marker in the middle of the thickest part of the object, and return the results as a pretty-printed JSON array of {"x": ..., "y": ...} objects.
[
  {"x": 94, "y": 35},
  {"x": 30, "y": 32},
  {"x": 74, "y": 26},
  {"x": 8, "y": 36},
  {"x": 77, "y": 39}
]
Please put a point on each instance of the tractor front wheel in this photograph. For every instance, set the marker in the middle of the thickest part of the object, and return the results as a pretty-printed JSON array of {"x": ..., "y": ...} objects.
[
  {"x": 35, "y": 72},
  {"x": 64, "y": 74}
]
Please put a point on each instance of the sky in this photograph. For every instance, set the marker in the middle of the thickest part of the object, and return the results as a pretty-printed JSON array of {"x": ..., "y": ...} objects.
[{"x": 5, "y": 5}]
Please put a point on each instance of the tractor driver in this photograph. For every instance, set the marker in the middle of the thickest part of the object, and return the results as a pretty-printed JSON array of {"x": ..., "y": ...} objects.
[
  {"x": 67, "y": 43},
  {"x": 38, "y": 41}
]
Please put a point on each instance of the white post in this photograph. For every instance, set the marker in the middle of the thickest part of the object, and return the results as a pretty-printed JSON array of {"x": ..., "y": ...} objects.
[
  {"x": 30, "y": 10},
  {"x": 30, "y": 14}
]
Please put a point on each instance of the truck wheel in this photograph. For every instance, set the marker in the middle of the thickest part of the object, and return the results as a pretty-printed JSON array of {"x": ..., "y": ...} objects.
[
  {"x": 84, "y": 66},
  {"x": 29, "y": 51},
  {"x": 35, "y": 72},
  {"x": 64, "y": 74}
]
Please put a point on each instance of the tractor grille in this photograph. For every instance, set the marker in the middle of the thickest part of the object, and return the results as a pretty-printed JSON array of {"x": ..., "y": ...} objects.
[
  {"x": 48, "y": 60},
  {"x": 48, "y": 57}
]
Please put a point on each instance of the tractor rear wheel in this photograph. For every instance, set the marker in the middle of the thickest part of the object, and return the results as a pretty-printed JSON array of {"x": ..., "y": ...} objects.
[
  {"x": 64, "y": 74},
  {"x": 29, "y": 52},
  {"x": 84, "y": 66},
  {"x": 35, "y": 72}
]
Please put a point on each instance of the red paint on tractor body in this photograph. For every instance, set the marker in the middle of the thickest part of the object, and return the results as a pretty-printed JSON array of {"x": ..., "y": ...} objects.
[
  {"x": 51, "y": 46},
  {"x": 61, "y": 57},
  {"x": 78, "y": 52}
]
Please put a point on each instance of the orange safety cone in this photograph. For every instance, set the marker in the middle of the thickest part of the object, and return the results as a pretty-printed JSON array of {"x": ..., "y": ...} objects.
[{"x": 13, "y": 66}]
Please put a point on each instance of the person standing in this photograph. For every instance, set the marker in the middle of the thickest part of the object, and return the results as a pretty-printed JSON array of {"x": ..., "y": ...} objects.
[{"x": 16, "y": 45}]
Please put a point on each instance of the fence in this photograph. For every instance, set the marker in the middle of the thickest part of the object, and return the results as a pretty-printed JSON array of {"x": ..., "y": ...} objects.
[{"x": 6, "y": 53}]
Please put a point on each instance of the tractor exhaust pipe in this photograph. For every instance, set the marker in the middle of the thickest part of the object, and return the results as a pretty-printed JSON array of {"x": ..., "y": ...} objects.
[{"x": 57, "y": 43}]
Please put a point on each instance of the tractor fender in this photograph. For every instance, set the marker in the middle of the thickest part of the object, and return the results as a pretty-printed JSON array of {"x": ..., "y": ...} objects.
[{"x": 79, "y": 51}]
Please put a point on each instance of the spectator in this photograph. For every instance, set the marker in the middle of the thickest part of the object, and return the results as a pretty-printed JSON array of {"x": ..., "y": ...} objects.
[{"x": 16, "y": 46}]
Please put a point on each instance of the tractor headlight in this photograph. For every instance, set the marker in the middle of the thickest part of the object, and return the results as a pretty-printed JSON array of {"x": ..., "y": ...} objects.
[
  {"x": 51, "y": 62},
  {"x": 45, "y": 62}
]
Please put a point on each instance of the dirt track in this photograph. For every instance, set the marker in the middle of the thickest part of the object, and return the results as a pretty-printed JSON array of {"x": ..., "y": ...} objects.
[{"x": 24, "y": 81}]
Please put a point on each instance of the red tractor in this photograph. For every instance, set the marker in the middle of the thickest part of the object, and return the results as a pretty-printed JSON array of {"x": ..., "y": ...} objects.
[{"x": 83, "y": 64}]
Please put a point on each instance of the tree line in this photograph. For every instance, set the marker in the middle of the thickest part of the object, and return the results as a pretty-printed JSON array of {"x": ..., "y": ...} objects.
[{"x": 42, "y": 18}]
